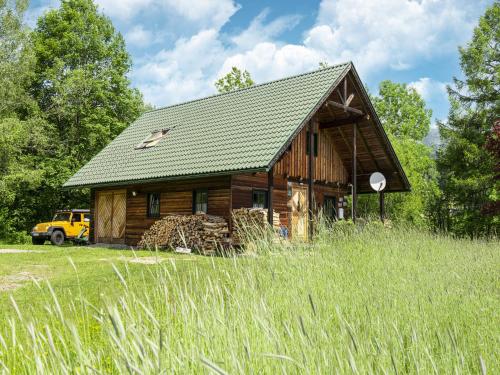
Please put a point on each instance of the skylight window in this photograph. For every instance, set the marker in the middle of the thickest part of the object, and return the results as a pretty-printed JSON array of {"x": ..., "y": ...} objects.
[{"x": 152, "y": 139}]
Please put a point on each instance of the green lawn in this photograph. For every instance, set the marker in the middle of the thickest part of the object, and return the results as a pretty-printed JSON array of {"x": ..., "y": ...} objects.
[{"x": 395, "y": 301}]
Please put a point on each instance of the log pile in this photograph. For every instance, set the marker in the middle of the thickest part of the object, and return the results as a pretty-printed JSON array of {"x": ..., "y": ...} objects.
[
  {"x": 203, "y": 233},
  {"x": 251, "y": 221}
]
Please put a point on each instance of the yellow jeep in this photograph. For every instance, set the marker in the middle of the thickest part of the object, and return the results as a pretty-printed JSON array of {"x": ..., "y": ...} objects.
[{"x": 66, "y": 225}]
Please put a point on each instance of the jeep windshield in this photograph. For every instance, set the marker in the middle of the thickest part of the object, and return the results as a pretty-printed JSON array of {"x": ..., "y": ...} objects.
[{"x": 62, "y": 216}]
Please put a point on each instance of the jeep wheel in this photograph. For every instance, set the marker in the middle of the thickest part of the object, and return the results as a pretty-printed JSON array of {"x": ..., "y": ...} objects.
[
  {"x": 57, "y": 238},
  {"x": 37, "y": 241}
]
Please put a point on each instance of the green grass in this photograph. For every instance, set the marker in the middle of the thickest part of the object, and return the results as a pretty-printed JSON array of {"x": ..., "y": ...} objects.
[{"x": 378, "y": 301}]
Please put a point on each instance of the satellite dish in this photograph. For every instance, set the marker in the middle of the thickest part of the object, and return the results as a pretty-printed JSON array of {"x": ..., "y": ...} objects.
[{"x": 377, "y": 181}]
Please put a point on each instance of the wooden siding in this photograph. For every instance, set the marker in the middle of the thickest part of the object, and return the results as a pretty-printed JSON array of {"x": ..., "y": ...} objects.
[
  {"x": 229, "y": 192},
  {"x": 176, "y": 197},
  {"x": 322, "y": 191},
  {"x": 243, "y": 185},
  {"x": 328, "y": 166},
  {"x": 92, "y": 216}
]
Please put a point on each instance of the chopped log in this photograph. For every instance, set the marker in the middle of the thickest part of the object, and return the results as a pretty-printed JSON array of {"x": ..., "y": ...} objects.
[
  {"x": 247, "y": 220},
  {"x": 200, "y": 232}
]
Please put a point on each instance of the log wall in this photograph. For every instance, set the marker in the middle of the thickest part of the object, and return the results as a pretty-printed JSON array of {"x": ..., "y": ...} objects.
[
  {"x": 230, "y": 192},
  {"x": 176, "y": 197},
  {"x": 243, "y": 185},
  {"x": 328, "y": 167}
]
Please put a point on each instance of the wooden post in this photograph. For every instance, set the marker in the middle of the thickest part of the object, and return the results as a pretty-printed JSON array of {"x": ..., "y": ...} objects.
[
  {"x": 354, "y": 172},
  {"x": 382, "y": 204},
  {"x": 311, "y": 176},
  {"x": 270, "y": 186}
]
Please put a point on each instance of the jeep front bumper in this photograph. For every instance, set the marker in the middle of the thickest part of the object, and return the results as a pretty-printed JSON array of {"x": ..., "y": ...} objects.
[{"x": 40, "y": 235}]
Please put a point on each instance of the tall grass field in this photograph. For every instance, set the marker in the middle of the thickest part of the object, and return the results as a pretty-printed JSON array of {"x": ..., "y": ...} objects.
[{"x": 370, "y": 301}]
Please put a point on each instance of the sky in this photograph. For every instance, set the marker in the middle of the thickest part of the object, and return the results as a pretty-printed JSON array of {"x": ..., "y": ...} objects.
[{"x": 179, "y": 47}]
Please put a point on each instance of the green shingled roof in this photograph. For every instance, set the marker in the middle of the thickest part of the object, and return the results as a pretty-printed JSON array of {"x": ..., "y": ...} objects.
[{"x": 240, "y": 130}]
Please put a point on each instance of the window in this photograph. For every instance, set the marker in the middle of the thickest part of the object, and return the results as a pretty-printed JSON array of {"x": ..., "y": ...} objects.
[
  {"x": 153, "y": 204},
  {"x": 315, "y": 141},
  {"x": 259, "y": 199},
  {"x": 76, "y": 218},
  {"x": 86, "y": 218},
  {"x": 152, "y": 139},
  {"x": 200, "y": 201},
  {"x": 61, "y": 216}
]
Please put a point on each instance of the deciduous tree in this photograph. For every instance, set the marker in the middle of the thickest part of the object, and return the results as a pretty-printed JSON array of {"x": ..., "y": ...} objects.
[
  {"x": 81, "y": 80},
  {"x": 402, "y": 111},
  {"x": 234, "y": 80},
  {"x": 406, "y": 120}
]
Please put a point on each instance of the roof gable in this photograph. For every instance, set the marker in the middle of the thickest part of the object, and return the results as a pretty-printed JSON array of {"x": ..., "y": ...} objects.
[{"x": 236, "y": 131}]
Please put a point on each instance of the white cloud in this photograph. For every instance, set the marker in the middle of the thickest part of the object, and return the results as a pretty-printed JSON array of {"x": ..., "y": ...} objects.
[
  {"x": 383, "y": 34},
  {"x": 182, "y": 73},
  {"x": 33, "y": 13},
  {"x": 430, "y": 89},
  {"x": 394, "y": 33},
  {"x": 204, "y": 13},
  {"x": 123, "y": 9},
  {"x": 267, "y": 61},
  {"x": 436, "y": 97},
  {"x": 380, "y": 35},
  {"x": 138, "y": 36},
  {"x": 259, "y": 32}
]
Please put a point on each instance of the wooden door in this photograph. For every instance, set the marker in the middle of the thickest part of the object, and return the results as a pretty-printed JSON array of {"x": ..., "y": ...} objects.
[
  {"x": 299, "y": 205},
  {"x": 110, "y": 216},
  {"x": 330, "y": 208}
]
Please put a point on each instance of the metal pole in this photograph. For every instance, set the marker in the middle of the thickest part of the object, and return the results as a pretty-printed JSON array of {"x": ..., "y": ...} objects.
[
  {"x": 354, "y": 172},
  {"x": 270, "y": 188},
  {"x": 311, "y": 176},
  {"x": 382, "y": 206}
]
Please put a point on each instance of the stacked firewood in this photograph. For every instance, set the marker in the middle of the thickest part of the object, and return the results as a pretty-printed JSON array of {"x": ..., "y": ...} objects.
[
  {"x": 200, "y": 232},
  {"x": 251, "y": 222}
]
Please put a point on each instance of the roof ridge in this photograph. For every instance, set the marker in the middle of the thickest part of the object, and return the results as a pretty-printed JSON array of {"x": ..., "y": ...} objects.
[{"x": 248, "y": 88}]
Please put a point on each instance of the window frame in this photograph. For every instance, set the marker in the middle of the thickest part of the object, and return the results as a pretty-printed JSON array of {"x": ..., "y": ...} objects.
[
  {"x": 334, "y": 207},
  {"x": 152, "y": 139},
  {"x": 149, "y": 212},
  {"x": 73, "y": 215},
  {"x": 202, "y": 192},
  {"x": 315, "y": 142},
  {"x": 266, "y": 198}
]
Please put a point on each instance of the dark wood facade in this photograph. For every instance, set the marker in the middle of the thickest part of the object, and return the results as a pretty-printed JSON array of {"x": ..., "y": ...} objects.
[
  {"x": 233, "y": 191},
  {"x": 333, "y": 153}
]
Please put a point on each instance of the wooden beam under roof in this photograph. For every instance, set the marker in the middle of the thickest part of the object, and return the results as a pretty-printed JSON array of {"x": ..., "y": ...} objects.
[
  {"x": 345, "y": 121},
  {"x": 349, "y": 99},
  {"x": 346, "y": 142},
  {"x": 380, "y": 131},
  {"x": 346, "y": 108},
  {"x": 367, "y": 148}
]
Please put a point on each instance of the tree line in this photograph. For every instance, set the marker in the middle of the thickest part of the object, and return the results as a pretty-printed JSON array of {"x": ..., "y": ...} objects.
[{"x": 65, "y": 94}]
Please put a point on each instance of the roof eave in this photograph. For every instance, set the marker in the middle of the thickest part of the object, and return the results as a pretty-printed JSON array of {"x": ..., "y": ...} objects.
[
  {"x": 385, "y": 138},
  {"x": 163, "y": 179}
]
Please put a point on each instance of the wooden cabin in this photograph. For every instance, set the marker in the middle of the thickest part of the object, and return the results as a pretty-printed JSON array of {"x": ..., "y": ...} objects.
[{"x": 292, "y": 145}]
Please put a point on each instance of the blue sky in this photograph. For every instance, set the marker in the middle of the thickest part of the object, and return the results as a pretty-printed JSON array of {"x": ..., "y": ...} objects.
[{"x": 180, "y": 47}]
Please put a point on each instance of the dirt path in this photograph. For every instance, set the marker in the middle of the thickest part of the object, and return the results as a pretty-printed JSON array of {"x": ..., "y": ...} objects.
[
  {"x": 17, "y": 280},
  {"x": 16, "y": 251}
]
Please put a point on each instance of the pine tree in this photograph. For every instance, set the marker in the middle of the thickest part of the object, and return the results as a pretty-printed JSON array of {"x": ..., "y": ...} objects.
[{"x": 468, "y": 178}]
